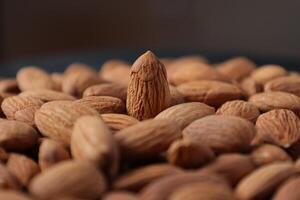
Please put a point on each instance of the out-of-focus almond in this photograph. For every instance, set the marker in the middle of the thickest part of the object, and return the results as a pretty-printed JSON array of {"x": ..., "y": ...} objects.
[
  {"x": 289, "y": 190},
  {"x": 176, "y": 96},
  {"x": 117, "y": 122},
  {"x": 47, "y": 95},
  {"x": 148, "y": 90},
  {"x": 289, "y": 84},
  {"x": 120, "y": 195},
  {"x": 3, "y": 155},
  {"x": 266, "y": 73},
  {"x": 9, "y": 85},
  {"x": 222, "y": 133},
  {"x": 279, "y": 126},
  {"x": 239, "y": 108},
  {"x": 7, "y": 180},
  {"x": 213, "y": 93},
  {"x": 13, "y": 195},
  {"x": 107, "y": 89},
  {"x": 57, "y": 78},
  {"x": 185, "y": 113},
  {"x": 250, "y": 87}
]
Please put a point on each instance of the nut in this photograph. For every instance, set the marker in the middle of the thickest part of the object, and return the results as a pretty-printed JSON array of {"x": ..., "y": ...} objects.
[
  {"x": 117, "y": 122},
  {"x": 268, "y": 72},
  {"x": 107, "y": 89},
  {"x": 47, "y": 95}
]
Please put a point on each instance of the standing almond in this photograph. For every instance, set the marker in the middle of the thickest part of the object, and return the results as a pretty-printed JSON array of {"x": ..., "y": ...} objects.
[
  {"x": 107, "y": 89},
  {"x": 69, "y": 178},
  {"x": 289, "y": 84},
  {"x": 31, "y": 77},
  {"x": 280, "y": 127},
  {"x": 268, "y": 72},
  {"x": 93, "y": 142},
  {"x": 148, "y": 138},
  {"x": 289, "y": 190},
  {"x": 148, "y": 91},
  {"x": 21, "y": 108},
  {"x": 22, "y": 167},
  {"x": 222, "y": 133},
  {"x": 47, "y": 95},
  {"x": 239, "y": 108},
  {"x": 185, "y": 113},
  {"x": 213, "y": 93},
  {"x": 117, "y": 122}
]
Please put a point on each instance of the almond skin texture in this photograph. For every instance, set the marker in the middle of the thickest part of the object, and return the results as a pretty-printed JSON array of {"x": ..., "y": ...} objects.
[
  {"x": 8, "y": 180},
  {"x": 107, "y": 89},
  {"x": 261, "y": 182},
  {"x": 250, "y": 87},
  {"x": 61, "y": 179},
  {"x": 103, "y": 104},
  {"x": 185, "y": 113},
  {"x": 269, "y": 153},
  {"x": 21, "y": 108},
  {"x": 117, "y": 122},
  {"x": 289, "y": 84},
  {"x": 266, "y": 73},
  {"x": 189, "y": 154},
  {"x": 22, "y": 167},
  {"x": 120, "y": 195},
  {"x": 148, "y": 91},
  {"x": 213, "y": 93},
  {"x": 32, "y": 77},
  {"x": 92, "y": 141},
  {"x": 241, "y": 109},
  {"x": 13, "y": 195},
  {"x": 280, "y": 127},
  {"x": 289, "y": 190},
  {"x": 148, "y": 138},
  {"x": 237, "y": 68},
  {"x": 56, "y": 120},
  {"x": 47, "y": 95},
  {"x": 52, "y": 152},
  {"x": 222, "y": 133},
  {"x": 17, "y": 135},
  {"x": 138, "y": 178},
  {"x": 267, "y": 101}
]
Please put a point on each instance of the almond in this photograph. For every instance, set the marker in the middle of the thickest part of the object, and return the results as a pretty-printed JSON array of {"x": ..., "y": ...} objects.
[
  {"x": 3, "y": 155},
  {"x": 13, "y": 195},
  {"x": 47, "y": 95},
  {"x": 176, "y": 96},
  {"x": 189, "y": 154},
  {"x": 148, "y": 138},
  {"x": 268, "y": 72},
  {"x": 289, "y": 190},
  {"x": 32, "y": 77},
  {"x": 267, "y": 101},
  {"x": 107, "y": 89},
  {"x": 269, "y": 153},
  {"x": 117, "y": 122},
  {"x": 289, "y": 84},
  {"x": 56, "y": 120},
  {"x": 263, "y": 181},
  {"x": 213, "y": 93},
  {"x": 250, "y": 87},
  {"x": 148, "y": 91},
  {"x": 22, "y": 167},
  {"x": 222, "y": 133},
  {"x": 17, "y": 135},
  {"x": 103, "y": 104},
  {"x": 93, "y": 142},
  {"x": 120, "y": 195},
  {"x": 8, "y": 180},
  {"x": 61, "y": 179},
  {"x": 280, "y": 127},
  {"x": 21, "y": 108},
  {"x": 52, "y": 152},
  {"x": 9, "y": 85},
  {"x": 136, "y": 179},
  {"x": 241, "y": 109},
  {"x": 185, "y": 113},
  {"x": 57, "y": 78}
]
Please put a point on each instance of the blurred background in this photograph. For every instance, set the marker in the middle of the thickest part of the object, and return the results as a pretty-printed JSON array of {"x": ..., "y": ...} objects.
[{"x": 57, "y": 32}]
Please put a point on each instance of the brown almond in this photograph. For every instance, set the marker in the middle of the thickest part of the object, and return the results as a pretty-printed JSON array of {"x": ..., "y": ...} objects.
[
  {"x": 107, "y": 89},
  {"x": 222, "y": 133},
  {"x": 189, "y": 154},
  {"x": 92, "y": 141},
  {"x": 136, "y": 179},
  {"x": 250, "y": 87},
  {"x": 57, "y": 78},
  {"x": 185, "y": 113},
  {"x": 232, "y": 166},
  {"x": 13, "y": 195},
  {"x": 148, "y": 91},
  {"x": 213, "y": 93},
  {"x": 289, "y": 84},
  {"x": 103, "y": 104},
  {"x": 56, "y": 120},
  {"x": 148, "y": 138},
  {"x": 176, "y": 96},
  {"x": 288, "y": 190},
  {"x": 8, "y": 180},
  {"x": 280, "y": 127},
  {"x": 9, "y": 85},
  {"x": 22, "y": 167},
  {"x": 117, "y": 122},
  {"x": 32, "y": 77},
  {"x": 266, "y": 73},
  {"x": 241, "y": 109},
  {"x": 60, "y": 180},
  {"x": 267, "y": 101},
  {"x": 120, "y": 195},
  {"x": 47, "y": 95},
  {"x": 21, "y": 108},
  {"x": 52, "y": 152},
  {"x": 17, "y": 135},
  {"x": 269, "y": 153},
  {"x": 263, "y": 181},
  {"x": 236, "y": 68}
]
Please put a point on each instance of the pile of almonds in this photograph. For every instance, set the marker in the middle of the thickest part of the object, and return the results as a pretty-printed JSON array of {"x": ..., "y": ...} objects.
[{"x": 162, "y": 129}]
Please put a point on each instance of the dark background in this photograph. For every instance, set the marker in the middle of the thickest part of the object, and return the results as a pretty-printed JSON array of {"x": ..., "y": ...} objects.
[{"x": 54, "y": 33}]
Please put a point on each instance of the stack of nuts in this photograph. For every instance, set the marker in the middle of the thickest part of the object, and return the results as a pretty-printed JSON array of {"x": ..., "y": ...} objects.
[{"x": 164, "y": 129}]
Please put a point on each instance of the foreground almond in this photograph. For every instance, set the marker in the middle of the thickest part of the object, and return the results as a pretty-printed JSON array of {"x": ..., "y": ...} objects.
[{"x": 288, "y": 190}]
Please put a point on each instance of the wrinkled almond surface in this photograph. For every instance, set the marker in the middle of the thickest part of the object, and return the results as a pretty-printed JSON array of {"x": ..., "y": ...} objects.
[
  {"x": 117, "y": 122},
  {"x": 47, "y": 95}
]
